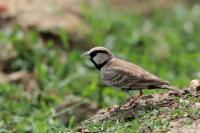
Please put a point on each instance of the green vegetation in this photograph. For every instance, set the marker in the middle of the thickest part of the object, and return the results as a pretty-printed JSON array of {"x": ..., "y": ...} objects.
[{"x": 166, "y": 43}]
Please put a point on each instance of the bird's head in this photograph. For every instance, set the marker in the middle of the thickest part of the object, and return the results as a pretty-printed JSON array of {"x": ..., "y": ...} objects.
[{"x": 99, "y": 56}]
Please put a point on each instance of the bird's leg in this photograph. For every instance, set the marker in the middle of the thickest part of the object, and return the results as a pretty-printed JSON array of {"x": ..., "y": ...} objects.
[
  {"x": 128, "y": 95},
  {"x": 136, "y": 98},
  {"x": 132, "y": 100},
  {"x": 126, "y": 91},
  {"x": 141, "y": 93}
]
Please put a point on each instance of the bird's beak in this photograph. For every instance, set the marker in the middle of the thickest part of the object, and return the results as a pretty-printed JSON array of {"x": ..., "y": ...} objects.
[{"x": 86, "y": 54}]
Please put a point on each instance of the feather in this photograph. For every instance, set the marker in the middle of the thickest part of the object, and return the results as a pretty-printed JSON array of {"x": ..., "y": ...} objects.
[
  {"x": 129, "y": 75},
  {"x": 122, "y": 74}
]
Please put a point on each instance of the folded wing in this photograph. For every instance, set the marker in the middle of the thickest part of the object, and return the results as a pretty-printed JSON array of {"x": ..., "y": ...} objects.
[{"x": 123, "y": 74}]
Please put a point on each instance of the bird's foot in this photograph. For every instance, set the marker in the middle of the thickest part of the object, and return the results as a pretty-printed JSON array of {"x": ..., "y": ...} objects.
[
  {"x": 134, "y": 99},
  {"x": 176, "y": 93},
  {"x": 131, "y": 101}
]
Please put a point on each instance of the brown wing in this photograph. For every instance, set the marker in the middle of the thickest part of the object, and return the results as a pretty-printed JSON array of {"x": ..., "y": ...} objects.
[
  {"x": 128, "y": 75},
  {"x": 118, "y": 78}
]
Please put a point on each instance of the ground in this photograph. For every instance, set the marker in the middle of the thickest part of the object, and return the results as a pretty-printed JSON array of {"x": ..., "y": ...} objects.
[{"x": 44, "y": 81}]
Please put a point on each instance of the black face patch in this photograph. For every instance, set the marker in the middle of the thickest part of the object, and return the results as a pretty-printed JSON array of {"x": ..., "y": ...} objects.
[
  {"x": 93, "y": 54},
  {"x": 99, "y": 66}
]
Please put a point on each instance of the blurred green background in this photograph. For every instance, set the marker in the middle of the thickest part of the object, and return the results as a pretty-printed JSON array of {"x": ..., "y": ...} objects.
[{"x": 42, "y": 70}]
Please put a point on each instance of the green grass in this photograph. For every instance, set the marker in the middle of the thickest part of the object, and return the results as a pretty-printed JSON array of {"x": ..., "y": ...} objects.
[
  {"x": 154, "y": 118},
  {"x": 166, "y": 43}
]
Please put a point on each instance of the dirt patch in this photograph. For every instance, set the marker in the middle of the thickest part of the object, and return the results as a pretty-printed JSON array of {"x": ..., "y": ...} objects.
[{"x": 180, "y": 111}]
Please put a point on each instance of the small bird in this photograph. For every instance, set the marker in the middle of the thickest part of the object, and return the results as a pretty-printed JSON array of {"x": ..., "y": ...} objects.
[{"x": 124, "y": 75}]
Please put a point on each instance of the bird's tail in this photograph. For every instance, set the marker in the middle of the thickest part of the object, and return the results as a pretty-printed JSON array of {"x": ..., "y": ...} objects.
[{"x": 171, "y": 88}]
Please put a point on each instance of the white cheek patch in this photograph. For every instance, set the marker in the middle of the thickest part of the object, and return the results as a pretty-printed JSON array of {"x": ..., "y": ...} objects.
[{"x": 100, "y": 58}]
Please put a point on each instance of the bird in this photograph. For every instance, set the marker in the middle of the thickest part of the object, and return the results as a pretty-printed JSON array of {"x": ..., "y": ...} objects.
[{"x": 125, "y": 75}]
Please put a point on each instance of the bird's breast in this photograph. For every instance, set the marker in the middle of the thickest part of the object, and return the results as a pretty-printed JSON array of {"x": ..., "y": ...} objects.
[
  {"x": 116, "y": 79},
  {"x": 108, "y": 76}
]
